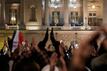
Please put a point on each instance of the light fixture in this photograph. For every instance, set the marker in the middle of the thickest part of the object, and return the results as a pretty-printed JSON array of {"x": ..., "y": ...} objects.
[
  {"x": 86, "y": 27},
  {"x": 93, "y": 6},
  {"x": 55, "y": 3},
  {"x": 93, "y": 3},
  {"x": 14, "y": 7},
  {"x": 13, "y": 17},
  {"x": 73, "y": 4}
]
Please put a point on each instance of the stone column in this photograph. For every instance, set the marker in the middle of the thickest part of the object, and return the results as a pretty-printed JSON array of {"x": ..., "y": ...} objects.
[
  {"x": 66, "y": 15},
  {"x": 105, "y": 12},
  {"x": 43, "y": 2},
  {"x": 85, "y": 12},
  {"x": 2, "y": 14},
  {"x": 81, "y": 10},
  {"x": 46, "y": 12},
  {"x": 22, "y": 24}
]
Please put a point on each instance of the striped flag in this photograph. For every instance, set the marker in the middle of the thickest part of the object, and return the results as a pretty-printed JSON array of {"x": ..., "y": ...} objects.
[{"x": 17, "y": 40}]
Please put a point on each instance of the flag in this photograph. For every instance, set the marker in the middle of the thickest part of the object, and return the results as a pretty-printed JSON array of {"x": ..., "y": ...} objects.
[
  {"x": 18, "y": 38},
  {"x": 21, "y": 38},
  {"x": 15, "y": 41},
  {"x": 10, "y": 41}
]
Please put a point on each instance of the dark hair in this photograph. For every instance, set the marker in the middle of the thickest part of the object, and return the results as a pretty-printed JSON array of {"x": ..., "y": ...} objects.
[
  {"x": 26, "y": 64},
  {"x": 93, "y": 41},
  {"x": 101, "y": 68}
]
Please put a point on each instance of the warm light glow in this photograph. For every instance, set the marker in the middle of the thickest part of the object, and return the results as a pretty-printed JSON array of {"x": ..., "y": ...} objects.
[
  {"x": 83, "y": 28},
  {"x": 32, "y": 27},
  {"x": 74, "y": 7},
  {"x": 13, "y": 18},
  {"x": 15, "y": 4},
  {"x": 76, "y": 46},
  {"x": 61, "y": 41},
  {"x": 93, "y": 6},
  {"x": 86, "y": 28},
  {"x": 56, "y": 6}
]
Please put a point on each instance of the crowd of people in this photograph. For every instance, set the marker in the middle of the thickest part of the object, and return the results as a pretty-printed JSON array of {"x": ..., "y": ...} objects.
[{"x": 90, "y": 56}]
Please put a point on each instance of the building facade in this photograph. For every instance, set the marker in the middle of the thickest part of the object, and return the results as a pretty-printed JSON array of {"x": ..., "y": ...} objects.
[
  {"x": 25, "y": 14},
  {"x": 70, "y": 15}
]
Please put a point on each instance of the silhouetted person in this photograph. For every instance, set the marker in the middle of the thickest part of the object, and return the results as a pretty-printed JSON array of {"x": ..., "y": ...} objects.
[
  {"x": 39, "y": 53},
  {"x": 100, "y": 63},
  {"x": 55, "y": 43},
  {"x": 26, "y": 64},
  {"x": 10, "y": 41},
  {"x": 4, "y": 59},
  {"x": 42, "y": 43}
]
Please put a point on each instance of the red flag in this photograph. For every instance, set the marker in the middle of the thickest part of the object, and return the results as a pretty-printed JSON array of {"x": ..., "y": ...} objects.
[{"x": 21, "y": 38}]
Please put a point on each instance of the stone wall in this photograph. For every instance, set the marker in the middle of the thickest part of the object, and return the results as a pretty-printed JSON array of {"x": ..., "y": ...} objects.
[{"x": 66, "y": 36}]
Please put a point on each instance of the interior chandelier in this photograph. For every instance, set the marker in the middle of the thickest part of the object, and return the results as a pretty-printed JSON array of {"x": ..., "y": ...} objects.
[
  {"x": 55, "y": 3},
  {"x": 73, "y": 4}
]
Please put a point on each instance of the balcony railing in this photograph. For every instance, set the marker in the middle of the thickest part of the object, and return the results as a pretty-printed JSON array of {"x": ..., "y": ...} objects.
[{"x": 56, "y": 28}]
